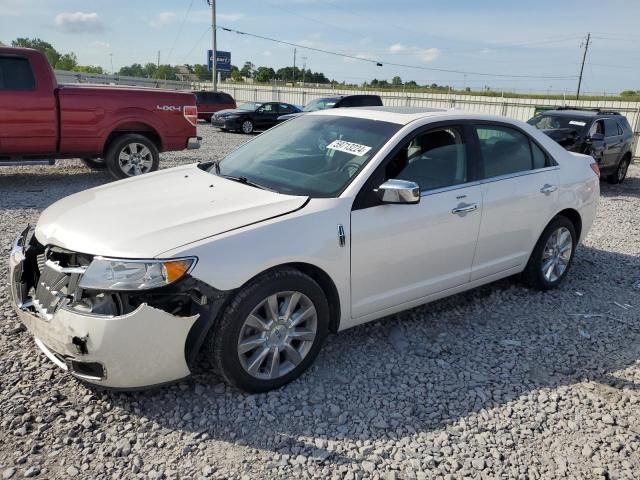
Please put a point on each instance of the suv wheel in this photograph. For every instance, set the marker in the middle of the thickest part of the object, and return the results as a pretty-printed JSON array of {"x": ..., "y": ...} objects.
[
  {"x": 621, "y": 172},
  {"x": 552, "y": 255},
  {"x": 271, "y": 332},
  {"x": 132, "y": 155}
]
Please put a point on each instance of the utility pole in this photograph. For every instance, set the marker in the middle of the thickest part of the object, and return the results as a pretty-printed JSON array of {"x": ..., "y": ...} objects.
[
  {"x": 294, "y": 68},
  {"x": 214, "y": 60},
  {"x": 158, "y": 65},
  {"x": 304, "y": 68},
  {"x": 584, "y": 58},
  {"x": 111, "y": 59}
]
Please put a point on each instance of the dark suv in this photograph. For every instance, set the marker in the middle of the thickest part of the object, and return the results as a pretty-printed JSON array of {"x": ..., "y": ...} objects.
[
  {"x": 210, "y": 102},
  {"x": 605, "y": 135},
  {"x": 337, "y": 101}
]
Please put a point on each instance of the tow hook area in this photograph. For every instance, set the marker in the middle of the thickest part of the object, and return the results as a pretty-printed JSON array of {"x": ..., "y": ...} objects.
[{"x": 81, "y": 344}]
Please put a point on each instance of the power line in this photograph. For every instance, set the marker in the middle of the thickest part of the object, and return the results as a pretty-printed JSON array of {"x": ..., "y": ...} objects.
[
  {"x": 184, "y": 19},
  {"x": 198, "y": 41},
  {"x": 380, "y": 63}
]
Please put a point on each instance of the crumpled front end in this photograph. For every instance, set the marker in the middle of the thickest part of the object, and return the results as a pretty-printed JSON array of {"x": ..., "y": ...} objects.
[{"x": 113, "y": 339}]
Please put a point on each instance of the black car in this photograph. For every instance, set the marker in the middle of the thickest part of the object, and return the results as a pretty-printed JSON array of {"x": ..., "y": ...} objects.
[
  {"x": 605, "y": 135},
  {"x": 252, "y": 116},
  {"x": 337, "y": 101}
]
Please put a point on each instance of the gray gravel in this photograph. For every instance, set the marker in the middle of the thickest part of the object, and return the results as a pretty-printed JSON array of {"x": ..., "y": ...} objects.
[{"x": 500, "y": 382}]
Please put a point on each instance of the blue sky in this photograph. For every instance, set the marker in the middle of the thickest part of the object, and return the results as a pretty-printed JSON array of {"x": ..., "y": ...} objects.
[{"x": 527, "y": 38}]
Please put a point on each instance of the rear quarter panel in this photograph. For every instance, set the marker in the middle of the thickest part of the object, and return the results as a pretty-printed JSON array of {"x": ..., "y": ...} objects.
[{"x": 88, "y": 115}]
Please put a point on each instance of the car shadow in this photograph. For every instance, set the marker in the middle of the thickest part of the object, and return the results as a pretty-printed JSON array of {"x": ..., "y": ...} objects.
[
  {"x": 427, "y": 368},
  {"x": 629, "y": 188}
]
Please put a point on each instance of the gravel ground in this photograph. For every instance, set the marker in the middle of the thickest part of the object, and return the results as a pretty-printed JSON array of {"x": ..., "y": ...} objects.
[{"x": 500, "y": 382}]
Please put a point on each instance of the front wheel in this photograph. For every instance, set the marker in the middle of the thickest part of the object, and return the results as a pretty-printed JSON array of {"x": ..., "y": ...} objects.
[
  {"x": 621, "y": 172},
  {"x": 271, "y": 332},
  {"x": 132, "y": 155},
  {"x": 247, "y": 126},
  {"x": 552, "y": 255}
]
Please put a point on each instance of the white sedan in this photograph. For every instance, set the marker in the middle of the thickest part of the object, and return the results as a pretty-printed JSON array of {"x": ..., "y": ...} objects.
[{"x": 325, "y": 222}]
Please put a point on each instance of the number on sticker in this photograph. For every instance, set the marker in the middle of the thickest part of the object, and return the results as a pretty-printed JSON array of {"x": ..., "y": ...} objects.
[{"x": 348, "y": 147}]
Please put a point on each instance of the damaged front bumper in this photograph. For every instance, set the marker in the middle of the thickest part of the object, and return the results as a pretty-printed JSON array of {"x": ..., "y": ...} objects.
[{"x": 143, "y": 347}]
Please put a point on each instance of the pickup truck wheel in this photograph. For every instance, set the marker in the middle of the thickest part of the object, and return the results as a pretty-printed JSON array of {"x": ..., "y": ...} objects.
[
  {"x": 132, "y": 155},
  {"x": 94, "y": 163},
  {"x": 271, "y": 331}
]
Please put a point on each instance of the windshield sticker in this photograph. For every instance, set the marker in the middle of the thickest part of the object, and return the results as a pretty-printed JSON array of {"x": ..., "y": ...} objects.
[
  {"x": 348, "y": 147},
  {"x": 576, "y": 122}
]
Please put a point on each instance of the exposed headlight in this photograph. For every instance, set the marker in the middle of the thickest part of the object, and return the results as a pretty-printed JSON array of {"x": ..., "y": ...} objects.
[{"x": 115, "y": 274}]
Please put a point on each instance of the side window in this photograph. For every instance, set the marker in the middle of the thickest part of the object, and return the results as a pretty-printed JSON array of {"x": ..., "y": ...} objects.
[
  {"x": 539, "y": 157},
  {"x": 284, "y": 108},
  {"x": 610, "y": 127},
  {"x": 620, "y": 131},
  {"x": 433, "y": 159},
  {"x": 16, "y": 74},
  {"x": 597, "y": 127},
  {"x": 505, "y": 151},
  {"x": 267, "y": 108}
]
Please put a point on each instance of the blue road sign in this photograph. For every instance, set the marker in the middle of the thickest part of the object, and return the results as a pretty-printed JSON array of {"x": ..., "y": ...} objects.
[{"x": 223, "y": 63}]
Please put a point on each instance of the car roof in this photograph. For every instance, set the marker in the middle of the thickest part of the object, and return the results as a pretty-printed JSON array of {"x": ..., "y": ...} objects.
[
  {"x": 399, "y": 115},
  {"x": 580, "y": 113}
]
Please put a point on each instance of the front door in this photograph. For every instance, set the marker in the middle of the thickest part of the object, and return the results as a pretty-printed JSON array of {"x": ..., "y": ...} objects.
[
  {"x": 519, "y": 195},
  {"x": 613, "y": 143},
  {"x": 401, "y": 253},
  {"x": 267, "y": 116}
]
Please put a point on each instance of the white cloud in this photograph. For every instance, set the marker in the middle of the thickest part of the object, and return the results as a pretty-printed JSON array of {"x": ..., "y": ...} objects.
[
  {"x": 423, "y": 54},
  {"x": 427, "y": 54},
  {"x": 397, "y": 48},
  {"x": 102, "y": 45},
  {"x": 79, "y": 22},
  {"x": 229, "y": 17},
  {"x": 162, "y": 19}
]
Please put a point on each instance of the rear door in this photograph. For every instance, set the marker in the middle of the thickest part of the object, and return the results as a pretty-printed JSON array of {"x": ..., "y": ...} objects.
[
  {"x": 28, "y": 110},
  {"x": 519, "y": 196},
  {"x": 613, "y": 143}
]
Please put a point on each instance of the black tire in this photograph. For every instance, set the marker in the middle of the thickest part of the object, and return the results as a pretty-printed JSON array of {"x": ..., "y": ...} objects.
[
  {"x": 533, "y": 275},
  {"x": 222, "y": 343},
  {"x": 120, "y": 145},
  {"x": 94, "y": 163},
  {"x": 246, "y": 126},
  {"x": 621, "y": 171}
]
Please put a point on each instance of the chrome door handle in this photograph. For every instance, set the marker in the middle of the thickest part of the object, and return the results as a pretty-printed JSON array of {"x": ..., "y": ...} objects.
[
  {"x": 464, "y": 208},
  {"x": 547, "y": 189}
]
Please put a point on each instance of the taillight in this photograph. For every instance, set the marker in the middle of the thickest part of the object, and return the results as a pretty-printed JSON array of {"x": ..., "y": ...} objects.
[
  {"x": 595, "y": 168},
  {"x": 190, "y": 112}
]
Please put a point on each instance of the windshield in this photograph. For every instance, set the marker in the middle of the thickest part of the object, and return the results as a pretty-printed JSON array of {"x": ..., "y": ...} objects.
[
  {"x": 249, "y": 106},
  {"x": 319, "y": 104},
  {"x": 548, "y": 122},
  {"x": 314, "y": 155}
]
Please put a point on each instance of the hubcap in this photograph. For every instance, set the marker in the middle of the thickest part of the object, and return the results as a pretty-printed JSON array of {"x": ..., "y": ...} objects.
[
  {"x": 277, "y": 335},
  {"x": 247, "y": 127},
  {"x": 135, "y": 159},
  {"x": 556, "y": 254}
]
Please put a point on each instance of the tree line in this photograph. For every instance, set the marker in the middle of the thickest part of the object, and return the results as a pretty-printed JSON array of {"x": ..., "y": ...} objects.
[{"x": 59, "y": 61}]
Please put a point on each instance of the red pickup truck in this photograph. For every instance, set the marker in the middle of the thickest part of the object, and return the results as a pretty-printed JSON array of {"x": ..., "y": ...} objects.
[{"x": 122, "y": 128}]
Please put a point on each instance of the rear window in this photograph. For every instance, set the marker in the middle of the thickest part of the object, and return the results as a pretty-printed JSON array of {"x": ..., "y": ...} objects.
[
  {"x": 16, "y": 74},
  {"x": 552, "y": 122},
  {"x": 360, "y": 101}
]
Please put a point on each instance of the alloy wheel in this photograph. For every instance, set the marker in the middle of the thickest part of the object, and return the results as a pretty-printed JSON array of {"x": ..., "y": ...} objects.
[
  {"x": 247, "y": 126},
  {"x": 135, "y": 159},
  {"x": 557, "y": 254},
  {"x": 277, "y": 335}
]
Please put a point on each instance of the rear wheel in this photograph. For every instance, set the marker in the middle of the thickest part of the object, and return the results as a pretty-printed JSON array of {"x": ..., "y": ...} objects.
[
  {"x": 552, "y": 255},
  {"x": 94, "y": 163},
  {"x": 132, "y": 155},
  {"x": 271, "y": 332},
  {"x": 621, "y": 172}
]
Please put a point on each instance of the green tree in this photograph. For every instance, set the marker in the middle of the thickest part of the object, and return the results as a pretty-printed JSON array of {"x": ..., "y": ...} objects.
[
  {"x": 396, "y": 81},
  {"x": 88, "y": 69},
  {"x": 236, "y": 76},
  {"x": 166, "y": 72},
  {"x": 202, "y": 72},
  {"x": 629, "y": 93},
  {"x": 265, "y": 74},
  {"x": 45, "y": 47},
  {"x": 149, "y": 70},
  {"x": 134, "y": 70},
  {"x": 247, "y": 70},
  {"x": 68, "y": 61}
]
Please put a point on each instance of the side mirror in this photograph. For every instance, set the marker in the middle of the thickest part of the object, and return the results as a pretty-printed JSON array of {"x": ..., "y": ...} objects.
[
  {"x": 596, "y": 137},
  {"x": 399, "y": 191}
]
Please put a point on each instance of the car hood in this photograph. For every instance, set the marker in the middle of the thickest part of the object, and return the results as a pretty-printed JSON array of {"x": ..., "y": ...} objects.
[
  {"x": 143, "y": 217},
  {"x": 230, "y": 111}
]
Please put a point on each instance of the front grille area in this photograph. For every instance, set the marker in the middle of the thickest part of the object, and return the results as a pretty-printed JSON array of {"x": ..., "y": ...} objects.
[{"x": 54, "y": 287}]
